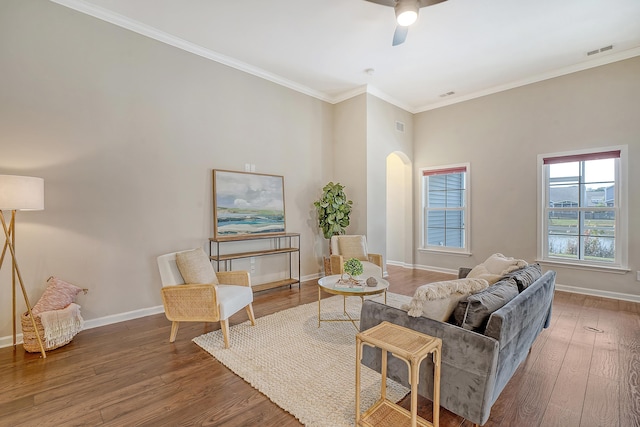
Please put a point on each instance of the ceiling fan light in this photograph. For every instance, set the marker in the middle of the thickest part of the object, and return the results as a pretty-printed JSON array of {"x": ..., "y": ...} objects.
[{"x": 406, "y": 12}]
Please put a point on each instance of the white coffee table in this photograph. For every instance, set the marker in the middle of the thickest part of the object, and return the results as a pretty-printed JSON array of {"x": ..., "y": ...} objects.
[{"x": 330, "y": 285}]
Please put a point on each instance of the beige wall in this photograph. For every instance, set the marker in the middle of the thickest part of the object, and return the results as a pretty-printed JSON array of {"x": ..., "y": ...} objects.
[
  {"x": 125, "y": 132},
  {"x": 501, "y": 135},
  {"x": 382, "y": 140},
  {"x": 349, "y": 162}
]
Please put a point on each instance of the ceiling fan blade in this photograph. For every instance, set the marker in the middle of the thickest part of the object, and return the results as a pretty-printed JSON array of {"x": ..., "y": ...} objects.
[
  {"x": 425, "y": 3},
  {"x": 390, "y": 3},
  {"x": 400, "y": 35}
]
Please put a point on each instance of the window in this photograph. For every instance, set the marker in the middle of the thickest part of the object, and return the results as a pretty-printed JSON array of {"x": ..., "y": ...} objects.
[
  {"x": 445, "y": 209},
  {"x": 583, "y": 220}
]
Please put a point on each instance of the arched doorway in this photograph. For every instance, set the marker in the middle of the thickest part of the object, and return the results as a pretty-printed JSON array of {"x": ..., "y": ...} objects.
[{"x": 399, "y": 210}]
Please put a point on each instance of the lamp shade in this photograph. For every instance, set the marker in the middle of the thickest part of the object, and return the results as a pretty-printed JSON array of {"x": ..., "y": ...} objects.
[{"x": 25, "y": 193}]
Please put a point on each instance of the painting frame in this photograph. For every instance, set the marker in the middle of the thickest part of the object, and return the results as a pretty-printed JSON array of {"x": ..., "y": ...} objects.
[{"x": 247, "y": 204}]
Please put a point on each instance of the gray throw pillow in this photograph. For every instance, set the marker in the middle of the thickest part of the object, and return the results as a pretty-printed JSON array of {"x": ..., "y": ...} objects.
[
  {"x": 524, "y": 277},
  {"x": 480, "y": 306}
]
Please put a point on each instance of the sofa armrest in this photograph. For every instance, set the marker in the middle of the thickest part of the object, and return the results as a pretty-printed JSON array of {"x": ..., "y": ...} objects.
[
  {"x": 463, "y": 272},
  {"x": 238, "y": 277},
  {"x": 337, "y": 264},
  {"x": 377, "y": 260}
]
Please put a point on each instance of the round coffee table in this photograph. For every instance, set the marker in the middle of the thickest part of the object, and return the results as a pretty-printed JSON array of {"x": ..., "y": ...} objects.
[{"x": 330, "y": 285}]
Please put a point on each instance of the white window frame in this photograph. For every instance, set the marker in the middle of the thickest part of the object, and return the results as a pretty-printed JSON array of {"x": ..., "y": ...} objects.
[
  {"x": 466, "y": 249},
  {"x": 620, "y": 263}
]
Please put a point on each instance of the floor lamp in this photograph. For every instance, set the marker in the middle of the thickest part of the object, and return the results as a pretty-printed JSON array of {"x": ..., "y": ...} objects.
[{"x": 19, "y": 193}]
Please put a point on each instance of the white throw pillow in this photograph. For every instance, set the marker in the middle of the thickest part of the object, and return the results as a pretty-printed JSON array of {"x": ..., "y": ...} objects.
[
  {"x": 500, "y": 264},
  {"x": 195, "y": 267}
]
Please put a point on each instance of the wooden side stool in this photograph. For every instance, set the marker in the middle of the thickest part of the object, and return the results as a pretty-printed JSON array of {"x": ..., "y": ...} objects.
[{"x": 412, "y": 347}]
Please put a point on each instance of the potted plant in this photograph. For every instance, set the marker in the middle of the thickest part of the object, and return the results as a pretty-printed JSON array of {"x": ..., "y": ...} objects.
[
  {"x": 334, "y": 210},
  {"x": 353, "y": 268}
]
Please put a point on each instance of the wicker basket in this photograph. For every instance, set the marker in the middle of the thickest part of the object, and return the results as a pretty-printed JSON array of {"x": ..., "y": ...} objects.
[{"x": 29, "y": 338}]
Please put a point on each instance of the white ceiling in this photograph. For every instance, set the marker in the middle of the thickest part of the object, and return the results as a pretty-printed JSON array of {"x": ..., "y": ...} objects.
[{"x": 323, "y": 47}]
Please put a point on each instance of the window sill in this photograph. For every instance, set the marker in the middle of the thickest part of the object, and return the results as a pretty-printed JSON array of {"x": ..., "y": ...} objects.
[
  {"x": 445, "y": 251},
  {"x": 591, "y": 267}
]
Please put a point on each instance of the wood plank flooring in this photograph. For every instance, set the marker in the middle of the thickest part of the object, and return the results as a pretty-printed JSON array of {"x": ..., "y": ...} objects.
[{"x": 583, "y": 371}]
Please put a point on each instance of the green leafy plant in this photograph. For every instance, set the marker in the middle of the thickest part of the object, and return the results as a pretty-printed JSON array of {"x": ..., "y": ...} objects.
[
  {"x": 353, "y": 267},
  {"x": 333, "y": 210}
]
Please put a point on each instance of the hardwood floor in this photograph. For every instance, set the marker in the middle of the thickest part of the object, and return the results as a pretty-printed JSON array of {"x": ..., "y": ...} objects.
[{"x": 129, "y": 374}]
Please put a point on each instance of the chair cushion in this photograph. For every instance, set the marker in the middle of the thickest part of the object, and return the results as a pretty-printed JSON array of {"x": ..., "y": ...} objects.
[
  {"x": 370, "y": 269},
  {"x": 232, "y": 298},
  {"x": 353, "y": 247},
  {"x": 195, "y": 267}
]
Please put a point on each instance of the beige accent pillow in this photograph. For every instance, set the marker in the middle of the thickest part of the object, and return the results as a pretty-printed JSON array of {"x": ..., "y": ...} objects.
[
  {"x": 195, "y": 267},
  {"x": 440, "y": 309},
  {"x": 352, "y": 247},
  {"x": 495, "y": 267}
]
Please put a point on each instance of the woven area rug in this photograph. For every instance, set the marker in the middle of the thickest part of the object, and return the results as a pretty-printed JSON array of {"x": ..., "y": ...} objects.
[{"x": 307, "y": 371}]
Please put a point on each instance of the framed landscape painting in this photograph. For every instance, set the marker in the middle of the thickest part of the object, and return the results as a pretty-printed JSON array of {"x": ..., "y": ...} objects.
[{"x": 247, "y": 204}]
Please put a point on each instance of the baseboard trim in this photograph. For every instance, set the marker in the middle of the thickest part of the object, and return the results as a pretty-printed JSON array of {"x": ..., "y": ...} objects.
[
  {"x": 136, "y": 314},
  {"x": 431, "y": 268},
  {"x": 564, "y": 288},
  {"x": 598, "y": 293},
  {"x": 95, "y": 323}
]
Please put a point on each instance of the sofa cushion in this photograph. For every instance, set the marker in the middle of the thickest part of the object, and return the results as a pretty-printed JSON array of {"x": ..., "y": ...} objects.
[
  {"x": 495, "y": 267},
  {"x": 473, "y": 311},
  {"x": 524, "y": 277},
  {"x": 353, "y": 247},
  {"x": 437, "y": 300},
  {"x": 195, "y": 267}
]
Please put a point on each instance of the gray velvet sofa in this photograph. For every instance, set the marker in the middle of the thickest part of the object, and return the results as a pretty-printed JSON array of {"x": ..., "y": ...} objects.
[{"x": 475, "y": 366}]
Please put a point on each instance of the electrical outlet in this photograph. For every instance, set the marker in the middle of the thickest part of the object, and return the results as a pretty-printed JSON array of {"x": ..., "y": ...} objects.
[{"x": 638, "y": 276}]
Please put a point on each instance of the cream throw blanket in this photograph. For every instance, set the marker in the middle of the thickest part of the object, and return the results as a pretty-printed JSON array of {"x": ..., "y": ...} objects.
[
  {"x": 60, "y": 326},
  {"x": 447, "y": 293}
]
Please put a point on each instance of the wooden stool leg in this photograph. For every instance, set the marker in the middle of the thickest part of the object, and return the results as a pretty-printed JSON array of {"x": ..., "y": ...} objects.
[
  {"x": 383, "y": 386},
  {"x": 358, "y": 362},
  {"x": 415, "y": 367},
  {"x": 437, "y": 358}
]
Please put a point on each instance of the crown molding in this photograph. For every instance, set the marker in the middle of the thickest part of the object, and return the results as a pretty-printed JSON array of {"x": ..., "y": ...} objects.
[
  {"x": 161, "y": 36},
  {"x": 153, "y": 33},
  {"x": 604, "y": 60}
]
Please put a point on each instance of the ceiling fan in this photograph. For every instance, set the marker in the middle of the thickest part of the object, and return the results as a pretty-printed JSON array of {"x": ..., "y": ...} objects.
[{"x": 406, "y": 14}]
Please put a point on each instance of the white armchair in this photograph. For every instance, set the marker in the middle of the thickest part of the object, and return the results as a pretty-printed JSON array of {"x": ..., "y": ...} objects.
[
  {"x": 347, "y": 246},
  {"x": 206, "y": 302}
]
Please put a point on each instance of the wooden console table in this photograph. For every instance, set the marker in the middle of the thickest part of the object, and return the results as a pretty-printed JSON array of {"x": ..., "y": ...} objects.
[{"x": 287, "y": 244}]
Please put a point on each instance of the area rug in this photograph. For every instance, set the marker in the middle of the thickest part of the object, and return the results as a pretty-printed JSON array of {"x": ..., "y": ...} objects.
[{"x": 308, "y": 371}]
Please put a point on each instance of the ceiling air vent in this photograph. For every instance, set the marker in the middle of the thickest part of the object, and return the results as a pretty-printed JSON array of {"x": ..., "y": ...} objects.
[
  {"x": 400, "y": 127},
  {"x": 447, "y": 94},
  {"x": 602, "y": 49}
]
